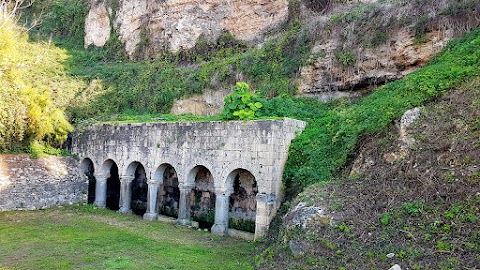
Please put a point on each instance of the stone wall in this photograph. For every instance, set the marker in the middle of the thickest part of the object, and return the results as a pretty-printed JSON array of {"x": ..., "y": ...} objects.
[{"x": 27, "y": 184}]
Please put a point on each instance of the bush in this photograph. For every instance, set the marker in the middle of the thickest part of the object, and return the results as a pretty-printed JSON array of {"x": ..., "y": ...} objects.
[{"x": 242, "y": 104}]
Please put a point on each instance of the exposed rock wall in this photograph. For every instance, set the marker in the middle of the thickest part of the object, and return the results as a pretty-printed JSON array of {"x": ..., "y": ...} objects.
[
  {"x": 97, "y": 25},
  {"x": 177, "y": 24},
  {"x": 27, "y": 184},
  {"x": 326, "y": 78},
  {"x": 363, "y": 44},
  {"x": 209, "y": 103}
]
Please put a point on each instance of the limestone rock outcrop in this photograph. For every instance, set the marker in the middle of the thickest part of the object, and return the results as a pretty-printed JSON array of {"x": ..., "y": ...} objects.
[
  {"x": 326, "y": 78},
  {"x": 209, "y": 103},
  {"x": 178, "y": 24},
  {"x": 97, "y": 25}
]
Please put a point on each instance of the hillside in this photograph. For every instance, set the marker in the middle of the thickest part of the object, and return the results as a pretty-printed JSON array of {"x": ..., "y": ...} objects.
[
  {"x": 319, "y": 48},
  {"x": 409, "y": 196},
  {"x": 359, "y": 185}
]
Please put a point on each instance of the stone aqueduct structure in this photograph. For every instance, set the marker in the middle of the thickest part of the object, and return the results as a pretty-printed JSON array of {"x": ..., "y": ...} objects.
[{"x": 233, "y": 167}]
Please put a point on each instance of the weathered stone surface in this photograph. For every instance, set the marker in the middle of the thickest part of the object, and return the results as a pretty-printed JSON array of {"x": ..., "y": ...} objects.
[
  {"x": 208, "y": 104},
  {"x": 326, "y": 78},
  {"x": 97, "y": 25},
  {"x": 302, "y": 214},
  {"x": 395, "y": 267},
  {"x": 177, "y": 24},
  {"x": 28, "y": 184},
  {"x": 407, "y": 119},
  {"x": 250, "y": 18},
  {"x": 225, "y": 149}
]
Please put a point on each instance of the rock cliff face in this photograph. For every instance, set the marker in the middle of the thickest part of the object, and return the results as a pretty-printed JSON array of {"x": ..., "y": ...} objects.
[
  {"x": 97, "y": 25},
  {"x": 326, "y": 78},
  {"x": 178, "y": 24},
  {"x": 366, "y": 43}
]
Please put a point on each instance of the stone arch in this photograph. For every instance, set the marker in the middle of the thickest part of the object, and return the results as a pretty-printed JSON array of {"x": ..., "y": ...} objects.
[
  {"x": 87, "y": 167},
  {"x": 110, "y": 170},
  {"x": 139, "y": 187},
  {"x": 202, "y": 196},
  {"x": 242, "y": 203},
  {"x": 169, "y": 192}
]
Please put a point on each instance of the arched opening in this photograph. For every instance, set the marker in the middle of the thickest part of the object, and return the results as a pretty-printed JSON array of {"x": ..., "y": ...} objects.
[
  {"x": 87, "y": 168},
  {"x": 243, "y": 202},
  {"x": 169, "y": 193},
  {"x": 202, "y": 197},
  {"x": 139, "y": 189},
  {"x": 113, "y": 185}
]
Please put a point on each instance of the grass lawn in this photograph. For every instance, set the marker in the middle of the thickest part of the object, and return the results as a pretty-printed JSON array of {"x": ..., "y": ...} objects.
[{"x": 80, "y": 237}]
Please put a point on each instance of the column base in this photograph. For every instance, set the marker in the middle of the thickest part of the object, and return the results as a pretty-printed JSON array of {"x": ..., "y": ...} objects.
[
  {"x": 150, "y": 216},
  {"x": 124, "y": 211},
  {"x": 220, "y": 229},
  {"x": 100, "y": 204},
  {"x": 260, "y": 231},
  {"x": 184, "y": 222}
]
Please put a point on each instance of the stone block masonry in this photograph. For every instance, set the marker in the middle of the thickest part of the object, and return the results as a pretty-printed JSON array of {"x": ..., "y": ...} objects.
[
  {"x": 242, "y": 157},
  {"x": 28, "y": 184}
]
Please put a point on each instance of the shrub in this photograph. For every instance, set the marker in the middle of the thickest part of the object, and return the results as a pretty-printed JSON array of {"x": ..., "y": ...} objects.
[
  {"x": 346, "y": 58},
  {"x": 241, "y": 104}
]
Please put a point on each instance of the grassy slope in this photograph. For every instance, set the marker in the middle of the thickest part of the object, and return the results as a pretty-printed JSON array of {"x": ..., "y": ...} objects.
[
  {"x": 423, "y": 207},
  {"x": 83, "y": 238}
]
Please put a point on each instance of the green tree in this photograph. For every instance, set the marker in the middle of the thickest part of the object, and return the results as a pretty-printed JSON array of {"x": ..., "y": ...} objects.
[{"x": 34, "y": 89}]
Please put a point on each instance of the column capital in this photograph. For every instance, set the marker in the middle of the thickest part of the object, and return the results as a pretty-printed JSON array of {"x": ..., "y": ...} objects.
[
  {"x": 101, "y": 176},
  {"x": 126, "y": 178},
  {"x": 154, "y": 182},
  {"x": 186, "y": 187},
  {"x": 222, "y": 192},
  {"x": 267, "y": 198}
]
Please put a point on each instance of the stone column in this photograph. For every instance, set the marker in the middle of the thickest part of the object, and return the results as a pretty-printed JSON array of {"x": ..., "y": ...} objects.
[
  {"x": 221, "y": 214},
  {"x": 265, "y": 209},
  {"x": 101, "y": 190},
  {"x": 184, "y": 205},
  {"x": 125, "y": 194},
  {"x": 152, "y": 213}
]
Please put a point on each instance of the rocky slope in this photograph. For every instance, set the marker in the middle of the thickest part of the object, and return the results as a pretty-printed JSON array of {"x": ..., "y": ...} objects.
[{"x": 361, "y": 45}]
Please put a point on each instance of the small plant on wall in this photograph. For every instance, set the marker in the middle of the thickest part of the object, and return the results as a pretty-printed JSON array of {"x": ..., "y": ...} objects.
[{"x": 242, "y": 104}]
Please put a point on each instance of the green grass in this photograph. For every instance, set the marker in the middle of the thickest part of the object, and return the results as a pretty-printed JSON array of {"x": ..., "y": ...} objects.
[{"x": 80, "y": 237}]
